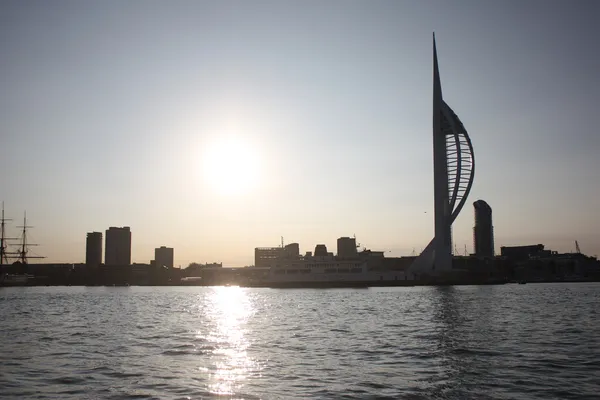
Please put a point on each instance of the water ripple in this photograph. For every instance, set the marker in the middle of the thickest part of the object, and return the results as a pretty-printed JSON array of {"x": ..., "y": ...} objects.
[{"x": 493, "y": 342}]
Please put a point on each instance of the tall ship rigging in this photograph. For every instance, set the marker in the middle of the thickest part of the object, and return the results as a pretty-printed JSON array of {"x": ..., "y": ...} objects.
[
  {"x": 3, "y": 239},
  {"x": 20, "y": 255}
]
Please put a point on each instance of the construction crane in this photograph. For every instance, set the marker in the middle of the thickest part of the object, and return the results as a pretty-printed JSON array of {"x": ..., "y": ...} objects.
[{"x": 577, "y": 249}]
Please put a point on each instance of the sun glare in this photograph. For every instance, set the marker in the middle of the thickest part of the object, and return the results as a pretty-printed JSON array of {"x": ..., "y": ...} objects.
[{"x": 231, "y": 166}]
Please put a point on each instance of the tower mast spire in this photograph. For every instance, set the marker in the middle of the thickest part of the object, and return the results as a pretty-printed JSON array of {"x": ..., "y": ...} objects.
[
  {"x": 453, "y": 168},
  {"x": 437, "y": 86},
  {"x": 443, "y": 235}
]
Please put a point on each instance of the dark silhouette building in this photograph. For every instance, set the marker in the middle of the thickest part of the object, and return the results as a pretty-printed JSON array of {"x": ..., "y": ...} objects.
[
  {"x": 483, "y": 232},
  {"x": 163, "y": 257},
  {"x": 321, "y": 250},
  {"x": 521, "y": 253},
  {"x": 93, "y": 248},
  {"x": 291, "y": 251},
  {"x": 346, "y": 248},
  {"x": 267, "y": 256},
  {"x": 118, "y": 246}
]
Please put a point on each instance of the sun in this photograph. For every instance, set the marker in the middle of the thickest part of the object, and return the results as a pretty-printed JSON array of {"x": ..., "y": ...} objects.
[{"x": 230, "y": 166}]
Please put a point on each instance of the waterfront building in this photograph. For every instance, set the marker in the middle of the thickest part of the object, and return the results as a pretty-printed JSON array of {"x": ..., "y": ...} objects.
[
  {"x": 118, "y": 246},
  {"x": 322, "y": 267},
  {"x": 321, "y": 250},
  {"x": 291, "y": 250},
  {"x": 93, "y": 249},
  {"x": 520, "y": 253},
  {"x": 453, "y": 174},
  {"x": 346, "y": 248},
  {"x": 163, "y": 257},
  {"x": 267, "y": 256},
  {"x": 483, "y": 231}
]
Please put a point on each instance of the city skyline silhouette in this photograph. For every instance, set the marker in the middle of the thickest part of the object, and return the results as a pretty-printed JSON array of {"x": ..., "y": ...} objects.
[{"x": 215, "y": 129}]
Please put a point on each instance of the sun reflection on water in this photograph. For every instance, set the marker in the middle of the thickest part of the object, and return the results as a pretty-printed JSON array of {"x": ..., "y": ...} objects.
[{"x": 228, "y": 313}]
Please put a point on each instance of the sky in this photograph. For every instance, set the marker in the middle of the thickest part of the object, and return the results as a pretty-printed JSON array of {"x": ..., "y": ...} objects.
[{"x": 215, "y": 127}]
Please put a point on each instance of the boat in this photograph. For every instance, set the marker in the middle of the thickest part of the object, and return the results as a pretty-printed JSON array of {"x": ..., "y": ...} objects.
[
  {"x": 349, "y": 268},
  {"x": 191, "y": 280},
  {"x": 15, "y": 279},
  {"x": 318, "y": 269},
  {"x": 8, "y": 277}
]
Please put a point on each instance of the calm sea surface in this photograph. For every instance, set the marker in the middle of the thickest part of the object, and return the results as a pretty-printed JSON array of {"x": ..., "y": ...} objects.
[{"x": 535, "y": 341}]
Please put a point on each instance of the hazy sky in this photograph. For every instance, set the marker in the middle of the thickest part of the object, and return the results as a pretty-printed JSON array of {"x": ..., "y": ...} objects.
[{"x": 218, "y": 126}]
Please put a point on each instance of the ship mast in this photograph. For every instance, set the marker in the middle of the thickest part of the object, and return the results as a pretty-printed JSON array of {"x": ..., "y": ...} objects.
[
  {"x": 2, "y": 246},
  {"x": 3, "y": 239},
  {"x": 22, "y": 253}
]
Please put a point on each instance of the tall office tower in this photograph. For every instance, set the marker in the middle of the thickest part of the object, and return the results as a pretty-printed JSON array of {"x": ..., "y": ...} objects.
[
  {"x": 483, "y": 231},
  {"x": 93, "y": 249},
  {"x": 118, "y": 246},
  {"x": 163, "y": 256},
  {"x": 346, "y": 247},
  {"x": 453, "y": 174}
]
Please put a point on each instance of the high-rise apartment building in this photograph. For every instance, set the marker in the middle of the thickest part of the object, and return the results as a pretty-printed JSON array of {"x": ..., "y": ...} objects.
[
  {"x": 118, "y": 246},
  {"x": 321, "y": 250},
  {"x": 483, "y": 231},
  {"x": 346, "y": 248},
  {"x": 93, "y": 249},
  {"x": 163, "y": 257}
]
